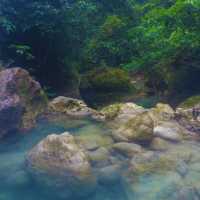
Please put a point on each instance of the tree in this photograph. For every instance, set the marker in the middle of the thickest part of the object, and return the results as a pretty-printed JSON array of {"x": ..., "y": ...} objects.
[{"x": 167, "y": 42}]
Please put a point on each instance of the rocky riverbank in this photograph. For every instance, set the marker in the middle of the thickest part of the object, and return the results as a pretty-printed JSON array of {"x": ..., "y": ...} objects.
[{"x": 140, "y": 142}]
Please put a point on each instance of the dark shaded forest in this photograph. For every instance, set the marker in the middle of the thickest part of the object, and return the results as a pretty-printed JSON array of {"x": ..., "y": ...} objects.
[{"x": 105, "y": 45}]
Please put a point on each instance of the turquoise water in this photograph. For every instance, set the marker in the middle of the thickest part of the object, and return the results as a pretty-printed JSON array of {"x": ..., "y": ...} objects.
[
  {"x": 16, "y": 184},
  {"x": 180, "y": 183}
]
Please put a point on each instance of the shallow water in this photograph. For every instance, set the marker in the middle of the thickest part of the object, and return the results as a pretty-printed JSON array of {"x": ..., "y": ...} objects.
[{"x": 16, "y": 184}]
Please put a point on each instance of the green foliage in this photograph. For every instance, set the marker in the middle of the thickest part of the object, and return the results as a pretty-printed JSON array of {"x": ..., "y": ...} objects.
[
  {"x": 58, "y": 40},
  {"x": 167, "y": 41},
  {"x": 110, "y": 43}
]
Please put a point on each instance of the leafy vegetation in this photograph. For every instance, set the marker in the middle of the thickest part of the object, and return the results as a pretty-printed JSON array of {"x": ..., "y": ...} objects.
[{"x": 58, "y": 41}]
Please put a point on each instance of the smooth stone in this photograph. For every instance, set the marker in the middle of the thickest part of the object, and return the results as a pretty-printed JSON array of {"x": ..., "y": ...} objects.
[
  {"x": 127, "y": 149},
  {"x": 99, "y": 157},
  {"x": 109, "y": 174},
  {"x": 168, "y": 131}
]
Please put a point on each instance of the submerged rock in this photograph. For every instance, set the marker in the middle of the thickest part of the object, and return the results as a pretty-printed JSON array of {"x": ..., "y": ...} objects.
[
  {"x": 57, "y": 162},
  {"x": 91, "y": 138},
  {"x": 153, "y": 186},
  {"x": 99, "y": 157},
  {"x": 21, "y": 100},
  {"x": 110, "y": 174},
  {"x": 127, "y": 149}
]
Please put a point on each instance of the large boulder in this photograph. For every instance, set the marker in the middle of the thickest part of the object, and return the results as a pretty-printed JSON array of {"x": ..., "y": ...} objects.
[
  {"x": 21, "y": 100},
  {"x": 138, "y": 128},
  {"x": 59, "y": 164}
]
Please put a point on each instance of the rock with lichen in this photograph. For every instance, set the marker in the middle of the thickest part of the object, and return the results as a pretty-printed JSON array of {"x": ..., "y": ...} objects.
[
  {"x": 161, "y": 112},
  {"x": 138, "y": 128},
  {"x": 71, "y": 107},
  {"x": 120, "y": 113},
  {"x": 21, "y": 100}
]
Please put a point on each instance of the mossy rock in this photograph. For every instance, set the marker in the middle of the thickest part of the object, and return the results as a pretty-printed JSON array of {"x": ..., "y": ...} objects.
[
  {"x": 121, "y": 112},
  {"x": 190, "y": 102},
  {"x": 107, "y": 79},
  {"x": 139, "y": 128},
  {"x": 111, "y": 111},
  {"x": 103, "y": 86}
]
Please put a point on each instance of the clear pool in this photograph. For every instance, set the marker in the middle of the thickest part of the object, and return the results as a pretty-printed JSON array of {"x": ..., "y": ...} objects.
[{"x": 15, "y": 183}]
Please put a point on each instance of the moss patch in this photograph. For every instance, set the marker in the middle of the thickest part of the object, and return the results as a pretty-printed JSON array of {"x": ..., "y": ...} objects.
[{"x": 111, "y": 111}]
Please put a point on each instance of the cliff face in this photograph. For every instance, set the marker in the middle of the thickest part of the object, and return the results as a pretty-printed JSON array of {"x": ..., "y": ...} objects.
[{"x": 21, "y": 100}]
